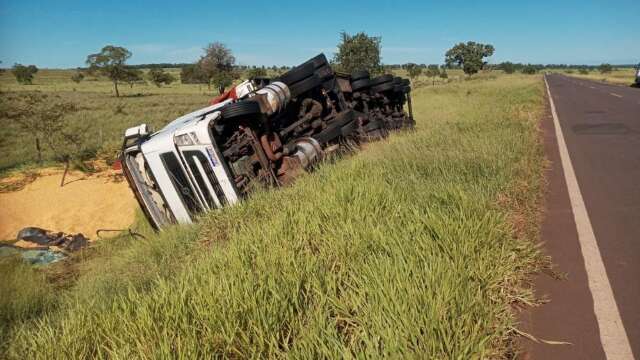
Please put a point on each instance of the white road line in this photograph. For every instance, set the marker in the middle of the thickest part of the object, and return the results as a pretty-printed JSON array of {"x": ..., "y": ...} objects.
[
  {"x": 614, "y": 94},
  {"x": 612, "y": 333},
  {"x": 593, "y": 87}
]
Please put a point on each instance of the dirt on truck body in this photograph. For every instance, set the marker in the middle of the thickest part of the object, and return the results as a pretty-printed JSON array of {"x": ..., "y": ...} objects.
[{"x": 263, "y": 132}]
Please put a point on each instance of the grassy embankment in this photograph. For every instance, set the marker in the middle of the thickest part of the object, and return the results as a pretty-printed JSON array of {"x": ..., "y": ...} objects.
[
  {"x": 417, "y": 246},
  {"x": 624, "y": 76}
]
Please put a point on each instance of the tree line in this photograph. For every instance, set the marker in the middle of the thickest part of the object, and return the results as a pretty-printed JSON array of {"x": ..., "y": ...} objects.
[{"x": 217, "y": 67}]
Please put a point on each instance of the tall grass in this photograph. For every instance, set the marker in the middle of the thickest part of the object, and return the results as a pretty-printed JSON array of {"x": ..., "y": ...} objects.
[{"x": 416, "y": 247}]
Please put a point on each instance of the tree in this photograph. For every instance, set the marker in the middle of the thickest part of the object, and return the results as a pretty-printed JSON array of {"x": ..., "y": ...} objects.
[
  {"x": 605, "y": 68},
  {"x": 583, "y": 70},
  {"x": 192, "y": 74},
  {"x": 24, "y": 74},
  {"x": 111, "y": 62},
  {"x": 217, "y": 65},
  {"x": 508, "y": 67},
  {"x": 470, "y": 56},
  {"x": 257, "y": 72},
  {"x": 432, "y": 72},
  {"x": 413, "y": 70},
  {"x": 358, "y": 52},
  {"x": 159, "y": 76},
  {"x": 77, "y": 77}
]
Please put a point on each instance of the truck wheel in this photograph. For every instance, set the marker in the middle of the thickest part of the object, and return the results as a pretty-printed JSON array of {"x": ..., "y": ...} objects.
[
  {"x": 305, "y": 85},
  {"x": 381, "y": 80},
  {"x": 383, "y": 87},
  {"x": 359, "y": 75},
  {"x": 317, "y": 61},
  {"x": 324, "y": 72},
  {"x": 241, "y": 109},
  {"x": 360, "y": 84},
  {"x": 298, "y": 73}
]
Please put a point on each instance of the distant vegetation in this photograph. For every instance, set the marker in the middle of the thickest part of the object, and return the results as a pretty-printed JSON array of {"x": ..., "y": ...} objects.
[{"x": 413, "y": 70}]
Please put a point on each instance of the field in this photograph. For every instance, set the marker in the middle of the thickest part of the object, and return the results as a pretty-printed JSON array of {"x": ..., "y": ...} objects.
[
  {"x": 624, "y": 76},
  {"x": 102, "y": 118},
  {"x": 420, "y": 245}
]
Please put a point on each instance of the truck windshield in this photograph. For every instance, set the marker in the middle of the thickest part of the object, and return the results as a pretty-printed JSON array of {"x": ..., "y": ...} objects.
[{"x": 180, "y": 182}]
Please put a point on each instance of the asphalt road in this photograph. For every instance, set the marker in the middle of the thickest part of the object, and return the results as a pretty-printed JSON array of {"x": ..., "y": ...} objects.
[{"x": 601, "y": 134}]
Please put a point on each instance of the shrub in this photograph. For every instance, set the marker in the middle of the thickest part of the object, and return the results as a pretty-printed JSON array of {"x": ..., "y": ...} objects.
[
  {"x": 77, "y": 77},
  {"x": 24, "y": 74},
  {"x": 605, "y": 68},
  {"x": 529, "y": 69},
  {"x": 159, "y": 76}
]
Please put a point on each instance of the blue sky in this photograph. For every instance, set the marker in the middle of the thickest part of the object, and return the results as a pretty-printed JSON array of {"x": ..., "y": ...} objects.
[{"x": 62, "y": 33}]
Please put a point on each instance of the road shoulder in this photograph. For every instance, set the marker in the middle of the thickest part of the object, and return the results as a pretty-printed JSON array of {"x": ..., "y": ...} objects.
[{"x": 568, "y": 315}]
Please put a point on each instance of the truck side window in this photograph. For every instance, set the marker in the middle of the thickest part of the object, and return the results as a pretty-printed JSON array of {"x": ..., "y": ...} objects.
[
  {"x": 189, "y": 155},
  {"x": 180, "y": 182}
]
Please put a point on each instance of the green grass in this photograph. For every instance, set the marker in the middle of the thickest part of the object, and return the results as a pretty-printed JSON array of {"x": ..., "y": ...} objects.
[{"x": 417, "y": 246}]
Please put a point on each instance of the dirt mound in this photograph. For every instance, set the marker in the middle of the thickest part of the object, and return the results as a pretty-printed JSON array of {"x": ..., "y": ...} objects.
[{"x": 83, "y": 205}]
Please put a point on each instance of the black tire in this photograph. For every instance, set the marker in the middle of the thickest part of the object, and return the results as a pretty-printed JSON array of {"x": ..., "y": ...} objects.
[
  {"x": 305, "y": 85},
  {"x": 329, "y": 84},
  {"x": 324, "y": 72},
  {"x": 381, "y": 80},
  {"x": 241, "y": 109},
  {"x": 373, "y": 125},
  {"x": 349, "y": 129},
  {"x": 398, "y": 88},
  {"x": 317, "y": 61},
  {"x": 406, "y": 82},
  {"x": 407, "y": 89},
  {"x": 397, "y": 80},
  {"x": 298, "y": 73},
  {"x": 360, "y": 84},
  {"x": 359, "y": 75},
  {"x": 383, "y": 87}
]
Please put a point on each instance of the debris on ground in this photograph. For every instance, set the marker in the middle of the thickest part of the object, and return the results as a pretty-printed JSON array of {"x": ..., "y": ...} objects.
[
  {"x": 38, "y": 246},
  {"x": 33, "y": 237}
]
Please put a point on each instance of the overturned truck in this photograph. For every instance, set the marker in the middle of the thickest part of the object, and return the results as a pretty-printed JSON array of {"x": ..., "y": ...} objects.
[{"x": 263, "y": 132}]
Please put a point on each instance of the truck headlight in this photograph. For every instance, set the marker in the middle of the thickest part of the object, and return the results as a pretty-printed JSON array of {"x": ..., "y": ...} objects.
[{"x": 183, "y": 140}]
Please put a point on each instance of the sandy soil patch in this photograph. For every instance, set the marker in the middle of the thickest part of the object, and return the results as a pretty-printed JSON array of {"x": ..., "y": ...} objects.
[{"x": 83, "y": 205}]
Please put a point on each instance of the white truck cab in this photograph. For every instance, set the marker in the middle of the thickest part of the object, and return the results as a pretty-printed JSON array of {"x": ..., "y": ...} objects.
[{"x": 177, "y": 172}]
